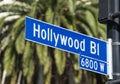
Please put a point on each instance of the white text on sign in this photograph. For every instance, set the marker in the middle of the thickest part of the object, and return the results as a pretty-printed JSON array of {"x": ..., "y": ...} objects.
[
  {"x": 92, "y": 51},
  {"x": 92, "y": 64},
  {"x": 51, "y": 36}
]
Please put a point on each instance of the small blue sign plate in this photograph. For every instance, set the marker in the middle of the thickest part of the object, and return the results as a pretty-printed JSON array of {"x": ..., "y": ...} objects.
[
  {"x": 93, "y": 65},
  {"x": 61, "y": 38}
]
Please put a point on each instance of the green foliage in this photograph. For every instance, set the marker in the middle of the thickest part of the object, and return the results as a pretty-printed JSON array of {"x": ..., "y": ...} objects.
[
  {"x": 9, "y": 60},
  {"x": 72, "y": 6},
  {"x": 60, "y": 60},
  {"x": 48, "y": 76},
  {"x": 28, "y": 64},
  {"x": 49, "y": 15},
  {"x": 1, "y": 22},
  {"x": 20, "y": 43},
  {"x": 42, "y": 55},
  {"x": 16, "y": 7},
  {"x": 92, "y": 23},
  {"x": 77, "y": 73},
  {"x": 33, "y": 11},
  {"x": 18, "y": 27},
  {"x": 45, "y": 61},
  {"x": 13, "y": 79},
  {"x": 4, "y": 43}
]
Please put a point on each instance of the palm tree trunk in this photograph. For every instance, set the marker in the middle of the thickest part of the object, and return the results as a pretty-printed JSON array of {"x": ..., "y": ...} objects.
[
  {"x": 19, "y": 77},
  {"x": 84, "y": 79},
  {"x": 99, "y": 79},
  {"x": 40, "y": 75},
  {"x": 4, "y": 76},
  {"x": 70, "y": 71}
]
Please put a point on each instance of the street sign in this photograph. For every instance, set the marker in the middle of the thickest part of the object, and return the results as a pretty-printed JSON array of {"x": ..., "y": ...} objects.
[
  {"x": 61, "y": 38},
  {"x": 94, "y": 65}
]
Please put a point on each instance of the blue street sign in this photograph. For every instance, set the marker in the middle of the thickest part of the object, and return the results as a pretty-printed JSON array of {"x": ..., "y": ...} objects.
[
  {"x": 94, "y": 65},
  {"x": 61, "y": 38}
]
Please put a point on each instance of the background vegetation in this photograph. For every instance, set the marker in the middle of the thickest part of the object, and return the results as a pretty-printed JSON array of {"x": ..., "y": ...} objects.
[{"x": 24, "y": 62}]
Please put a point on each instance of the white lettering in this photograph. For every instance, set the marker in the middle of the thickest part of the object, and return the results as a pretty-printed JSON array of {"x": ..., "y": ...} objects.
[
  {"x": 48, "y": 34},
  {"x": 92, "y": 47},
  {"x": 98, "y": 49},
  {"x": 101, "y": 67},
  {"x": 76, "y": 44},
  {"x": 43, "y": 34},
  {"x": 91, "y": 64},
  {"x": 82, "y": 62},
  {"x": 87, "y": 62},
  {"x": 95, "y": 65},
  {"x": 70, "y": 42},
  {"x": 51, "y": 31},
  {"x": 82, "y": 45},
  {"x": 63, "y": 39},
  {"x": 56, "y": 37},
  {"x": 36, "y": 30}
]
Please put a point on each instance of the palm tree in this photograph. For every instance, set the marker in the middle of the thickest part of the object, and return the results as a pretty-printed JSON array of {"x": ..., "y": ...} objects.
[{"x": 26, "y": 62}]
